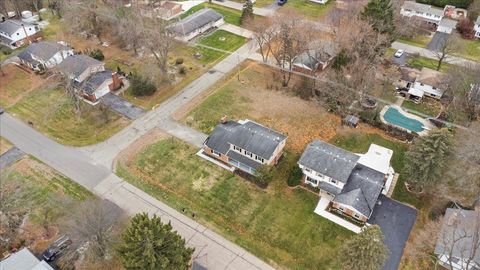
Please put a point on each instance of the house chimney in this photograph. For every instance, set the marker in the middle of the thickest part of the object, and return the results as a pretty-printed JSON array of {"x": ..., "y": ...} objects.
[
  {"x": 116, "y": 81},
  {"x": 224, "y": 119}
]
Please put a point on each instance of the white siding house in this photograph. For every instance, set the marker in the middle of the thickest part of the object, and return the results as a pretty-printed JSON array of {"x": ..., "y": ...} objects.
[
  {"x": 446, "y": 25},
  {"x": 319, "y": 1},
  {"x": 477, "y": 27},
  {"x": 425, "y": 12},
  {"x": 428, "y": 84},
  {"x": 44, "y": 55},
  {"x": 14, "y": 33}
]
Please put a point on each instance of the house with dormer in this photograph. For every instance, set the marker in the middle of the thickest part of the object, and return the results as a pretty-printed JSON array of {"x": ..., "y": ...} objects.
[
  {"x": 351, "y": 182},
  {"x": 244, "y": 145}
]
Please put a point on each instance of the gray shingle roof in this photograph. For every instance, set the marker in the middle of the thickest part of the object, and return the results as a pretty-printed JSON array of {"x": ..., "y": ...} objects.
[
  {"x": 445, "y": 22},
  {"x": 12, "y": 26},
  {"x": 362, "y": 189},
  {"x": 458, "y": 230},
  {"x": 250, "y": 136},
  {"x": 329, "y": 160},
  {"x": 477, "y": 22},
  {"x": 243, "y": 159},
  {"x": 329, "y": 188},
  {"x": 195, "y": 21},
  {"x": 92, "y": 83},
  {"x": 76, "y": 64},
  {"x": 43, "y": 50},
  {"x": 412, "y": 5},
  {"x": 319, "y": 51}
]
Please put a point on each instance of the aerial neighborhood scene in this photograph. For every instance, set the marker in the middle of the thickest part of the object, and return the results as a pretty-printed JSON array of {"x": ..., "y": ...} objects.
[{"x": 240, "y": 134}]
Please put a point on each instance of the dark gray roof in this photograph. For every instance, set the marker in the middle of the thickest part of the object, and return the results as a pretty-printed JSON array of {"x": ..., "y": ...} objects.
[
  {"x": 218, "y": 139},
  {"x": 362, "y": 189},
  {"x": 12, "y": 26},
  {"x": 43, "y": 50},
  {"x": 319, "y": 51},
  {"x": 243, "y": 159},
  {"x": 329, "y": 160},
  {"x": 351, "y": 119},
  {"x": 458, "y": 234},
  {"x": 329, "y": 188},
  {"x": 396, "y": 220},
  {"x": 94, "y": 81},
  {"x": 76, "y": 64},
  {"x": 195, "y": 21}
]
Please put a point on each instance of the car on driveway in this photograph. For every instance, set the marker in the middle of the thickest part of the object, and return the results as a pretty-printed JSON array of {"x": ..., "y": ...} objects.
[
  {"x": 56, "y": 248},
  {"x": 399, "y": 53}
]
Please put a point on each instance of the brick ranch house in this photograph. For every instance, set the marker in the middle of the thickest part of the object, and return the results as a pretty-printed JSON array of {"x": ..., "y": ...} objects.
[
  {"x": 15, "y": 33},
  {"x": 351, "y": 182},
  {"x": 245, "y": 145}
]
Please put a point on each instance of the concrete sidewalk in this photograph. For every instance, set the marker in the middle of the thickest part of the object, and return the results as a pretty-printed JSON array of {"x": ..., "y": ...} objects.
[
  {"x": 237, "y": 30},
  {"x": 239, "y": 6},
  {"x": 429, "y": 54},
  {"x": 211, "y": 250}
]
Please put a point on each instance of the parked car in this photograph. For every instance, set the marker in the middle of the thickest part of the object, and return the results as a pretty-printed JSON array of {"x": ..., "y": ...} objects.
[
  {"x": 399, "y": 53},
  {"x": 1, "y": 110},
  {"x": 281, "y": 2},
  {"x": 57, "y": 248}
]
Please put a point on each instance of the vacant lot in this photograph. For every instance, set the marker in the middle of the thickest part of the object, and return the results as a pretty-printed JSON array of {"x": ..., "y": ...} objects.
[
  {"x": 51, "y": 112},
  {"x": 219, "y": 39},
  {"x": 277, "y": 224},
  {"x": 253, "y": 98},
  {"x": 15, "y": 84},
  {"x": 37, "y": 187}
]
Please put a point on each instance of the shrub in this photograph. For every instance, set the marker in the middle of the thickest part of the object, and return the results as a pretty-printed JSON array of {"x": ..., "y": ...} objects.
[
  {"x": 5, "y": 50},
  {"x": 263, "y": 175},
  {"x": 179, "y": 61},
  {"x": 371, "y": 117},
  {"x": 295, "y": 176},
  {"x": 141, "y": 86},
  {"x": 97, "y": 54},
  {"x": 465, "y": 28},
  {"x": 182, "y": 70}
]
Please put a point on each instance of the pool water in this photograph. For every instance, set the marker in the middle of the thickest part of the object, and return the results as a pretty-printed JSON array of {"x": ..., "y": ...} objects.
[{"x": 394, "y": 117}]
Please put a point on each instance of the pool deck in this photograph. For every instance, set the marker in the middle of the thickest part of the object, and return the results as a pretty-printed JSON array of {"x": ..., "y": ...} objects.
[{"x": 426, "y": 125}]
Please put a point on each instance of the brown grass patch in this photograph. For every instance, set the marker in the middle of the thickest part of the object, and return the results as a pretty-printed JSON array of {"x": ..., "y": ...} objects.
[{"x": 16, "y": 84}]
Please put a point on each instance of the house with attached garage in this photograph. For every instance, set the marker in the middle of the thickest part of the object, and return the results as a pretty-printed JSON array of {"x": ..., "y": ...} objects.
[
  {"x": 458, "y": 243},
  {"x": 426, "y": 13},
  {"x": 79, "y": 67},
  {"x": 350, "y": 182},
  {"x": 196, "y": 24},
  {"x": 44, "y": 55},
  {"x": 15, "y": 33},
  {"x": 477, "y": 27},
  {"x": 99, "y": 84},
  {"x": 244, "y": 145}
]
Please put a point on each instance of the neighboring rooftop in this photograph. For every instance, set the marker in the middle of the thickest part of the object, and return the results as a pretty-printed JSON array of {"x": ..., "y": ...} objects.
[
  {"x": 318, "y": 52},
  {"x": 24, "y": 260},
  {"x": 329, "y": 160},
  {"x": 247, "y": 135},
  {"x": 97, "y": 79},
  {"x": 459, "y": 234},
  {"x": 423, "y": 8},
  {"x": 195, "y": 21},
  {"x": 362, "y": 189},
  {"x": 12, "y": 26},
  {"x": 477, "y": 22},
  {"x": 448, "y": 23},
  {"x": 76, "y": 64},
  {"x": 377, "y": 158},
  {"x": 43, "y": 50},
  {"x": 430, "y": 77}
]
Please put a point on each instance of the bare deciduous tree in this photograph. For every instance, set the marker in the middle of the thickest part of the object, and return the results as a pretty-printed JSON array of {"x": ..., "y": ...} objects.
[
  {"x": 264, "y": 32},
  {"x": 85, "y": 16},
  {"x": 445, "y": 49},
  {"x": 158, "y": 40},
  {"x": 97, "y": 223}
]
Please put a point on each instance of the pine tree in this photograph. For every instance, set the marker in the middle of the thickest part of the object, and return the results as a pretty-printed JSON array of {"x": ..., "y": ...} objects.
[
  {"x": 424, "y": 162},
  {"x": 364, "y": 251},
  {"x": 150, "y": 244},
  {"x": 380, "y": 14},
  {"x": 247, "y": 12}
]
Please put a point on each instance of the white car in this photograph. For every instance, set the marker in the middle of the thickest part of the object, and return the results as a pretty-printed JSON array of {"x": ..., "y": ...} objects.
[{"x": 399, "y": 53}]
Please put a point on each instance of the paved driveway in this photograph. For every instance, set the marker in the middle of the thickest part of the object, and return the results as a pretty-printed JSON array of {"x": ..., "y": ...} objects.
[
  {"x": 396, "y": 221},
  {"x": 9, "y": 157},
  {"x": 400, "y": 61},
  {"x": 437, "y": 41},
  {"x": 122, "y": 106}
]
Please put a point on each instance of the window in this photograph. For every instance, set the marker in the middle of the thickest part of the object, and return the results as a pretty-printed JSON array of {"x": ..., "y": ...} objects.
[
  {"x": 216, "y": 153},
  {"x": 341, "y": 209},
  {"x": 236, "y": 148},
  {"x": 433, "y": 87},
  {"x": 18, "y": 34},
  {"x": 29, "y": 29},
  {"x": 357, "y": 216},
  {"x": 312, "y": 181},
  {"x": 333, "y": 181},
  {"x": 307, "y": 169}
]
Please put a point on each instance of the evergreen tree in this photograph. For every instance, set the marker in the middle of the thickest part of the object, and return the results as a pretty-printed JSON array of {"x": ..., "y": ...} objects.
[
  {"x": 425, "y": 160},
  {"x": 247, "y": 12},
  {"x": 149, "y": 244},
  {"x": 364, "y": 251},
  {"x": 141, "y": 86},
  {"x": 380, "y": 14}
]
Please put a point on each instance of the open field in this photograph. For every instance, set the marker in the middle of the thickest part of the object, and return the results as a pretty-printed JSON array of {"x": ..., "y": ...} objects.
[
  {"x": 15, "y": 84},
  {"x": 301, "y": 120},
  {"x": 52, "y": 113},
  {"x": 309, "y": 9},
  {"x": 427, "y": 106},
  {"x": 44, "y": 188},
  {"x": 277, "y": 224},
  {"x": 230, "y": 43}
]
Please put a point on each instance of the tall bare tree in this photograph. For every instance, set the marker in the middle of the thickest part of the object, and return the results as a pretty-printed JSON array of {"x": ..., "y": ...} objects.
[
  {"x": 158, "y": 40},
  {"x": 445, "y": 49},
  {"x": 264, "y": 33}
]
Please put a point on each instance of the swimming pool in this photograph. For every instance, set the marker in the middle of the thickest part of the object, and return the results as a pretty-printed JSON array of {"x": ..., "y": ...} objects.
[{"x": 394, "y": 117}]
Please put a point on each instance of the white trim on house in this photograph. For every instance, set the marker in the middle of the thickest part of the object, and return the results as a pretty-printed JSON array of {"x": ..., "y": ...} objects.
[
  {"x": 323, "y": 2},
  {"x": 19, "y": 34},
  {"x": 476, "y": 27},
  {"x": 426, "y": 12}
]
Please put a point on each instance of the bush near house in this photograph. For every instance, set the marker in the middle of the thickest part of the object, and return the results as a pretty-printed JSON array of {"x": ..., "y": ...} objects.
[
  {"x": 141, "y": 86},
  {"x": 465, "y": 28},
  {"x": 96, "y": 54}
]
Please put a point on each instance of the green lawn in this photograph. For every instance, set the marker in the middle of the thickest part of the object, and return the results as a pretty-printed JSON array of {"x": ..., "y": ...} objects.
[
  {"x": 230, "y": 43},
  {"x": 360, "y": 144},
  {"x": 13, "y": 52},
  {"x": 52, "y": 113},
  {"x": 310, "y": 9},
  {"x": 231, "y": 16},
  {"x": 471, "y": 49},
  {"x": 419, "y": 41},
  {"x": 420, "y": 61},
  {"x": 278, "y": 225},
  {"x": 426, "y": 106}
]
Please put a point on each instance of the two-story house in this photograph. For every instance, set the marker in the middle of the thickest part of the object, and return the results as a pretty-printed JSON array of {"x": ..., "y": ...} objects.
[
  {"x": 476, "y": 27},
  {"x": 245, "y": 145},
  {"x": 44, "y": 55},
  {"x": 15, "y": 33},
  {"x": 352, "y": 182},
  {"x": 427, "y": 13}
]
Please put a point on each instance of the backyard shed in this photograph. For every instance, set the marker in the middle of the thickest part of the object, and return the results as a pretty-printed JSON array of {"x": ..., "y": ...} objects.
[{"x": 351, "y": 121}]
